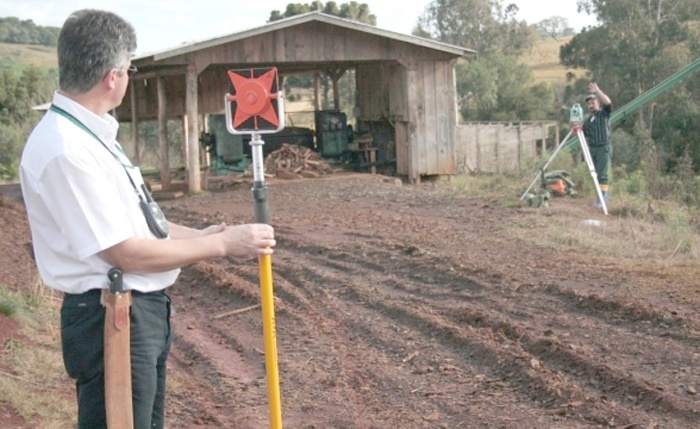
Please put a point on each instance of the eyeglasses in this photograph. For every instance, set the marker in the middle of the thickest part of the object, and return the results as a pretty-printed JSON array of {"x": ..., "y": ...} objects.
[{"x": 129, "y": 70}]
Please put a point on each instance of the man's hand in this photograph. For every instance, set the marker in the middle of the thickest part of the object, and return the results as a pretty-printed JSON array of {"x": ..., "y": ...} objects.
[
  {"x": 249, "y": 239},
  {"x": 595, "y": 89}
]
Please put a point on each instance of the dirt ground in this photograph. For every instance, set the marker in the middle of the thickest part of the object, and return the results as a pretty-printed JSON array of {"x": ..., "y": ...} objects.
[{"x": 403, "y": 306}]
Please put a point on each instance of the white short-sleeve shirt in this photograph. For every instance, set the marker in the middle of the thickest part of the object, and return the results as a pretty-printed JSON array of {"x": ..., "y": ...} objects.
[{"x": 80, "y": 201}]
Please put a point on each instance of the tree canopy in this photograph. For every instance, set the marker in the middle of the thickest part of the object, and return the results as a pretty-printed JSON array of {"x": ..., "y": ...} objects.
[
  {"x": 19, "y": 91},
  {"x": 21, "y": 87},
  {"x": 351, "y": 10},
  {"x": 494, "y": 86},
  {"x": 555, "y": 27},
  {"x": 13, "y": 30}
]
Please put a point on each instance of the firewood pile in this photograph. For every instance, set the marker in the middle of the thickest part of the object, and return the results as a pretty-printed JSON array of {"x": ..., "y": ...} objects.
[{"x": 294, "y": 162}]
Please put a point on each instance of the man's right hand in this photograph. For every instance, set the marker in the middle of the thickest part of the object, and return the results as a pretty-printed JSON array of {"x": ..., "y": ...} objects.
[{"x": 248, "y": 240}]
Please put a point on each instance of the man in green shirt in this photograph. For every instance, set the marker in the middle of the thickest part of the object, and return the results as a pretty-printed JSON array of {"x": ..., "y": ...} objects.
[{"x": 596, "y": 129}]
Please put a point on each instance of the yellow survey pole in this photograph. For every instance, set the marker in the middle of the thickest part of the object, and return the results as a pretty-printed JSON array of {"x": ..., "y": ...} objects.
[
  {"x": 268, "y": 314},
  {"x": 262, "y": 215}
]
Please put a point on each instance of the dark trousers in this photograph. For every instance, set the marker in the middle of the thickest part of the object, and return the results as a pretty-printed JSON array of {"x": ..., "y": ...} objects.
[
  {"x": 82, "y": 331},
  {"x": 602, "y": 160}
]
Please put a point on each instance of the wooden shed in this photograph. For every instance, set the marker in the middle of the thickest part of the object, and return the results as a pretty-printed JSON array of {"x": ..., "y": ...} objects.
[{"x": 405, "y": 85}]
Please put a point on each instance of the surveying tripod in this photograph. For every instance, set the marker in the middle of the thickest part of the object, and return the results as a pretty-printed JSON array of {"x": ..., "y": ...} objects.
[{"x": 576, "y": 122}]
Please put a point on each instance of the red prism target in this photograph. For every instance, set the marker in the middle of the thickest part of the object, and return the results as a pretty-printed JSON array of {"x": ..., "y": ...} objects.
[{"x": 255, "y": 104}]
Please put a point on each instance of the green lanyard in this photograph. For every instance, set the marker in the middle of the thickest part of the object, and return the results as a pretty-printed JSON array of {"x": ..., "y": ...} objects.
[
  {"x": 155, "y": 219},
  {"x": 82, "y": 126}
]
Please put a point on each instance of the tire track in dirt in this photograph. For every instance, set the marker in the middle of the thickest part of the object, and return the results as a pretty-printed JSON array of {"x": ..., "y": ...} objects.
[
  {"x": 442, "y": 323},
  {"x": 361, "y": 312},
  {"x": 222, "y": 358},
  {"x": 611, "y": 385}
]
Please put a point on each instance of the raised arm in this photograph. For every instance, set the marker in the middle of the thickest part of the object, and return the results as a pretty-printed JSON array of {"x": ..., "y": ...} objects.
[{"x": 594, "y": 89}]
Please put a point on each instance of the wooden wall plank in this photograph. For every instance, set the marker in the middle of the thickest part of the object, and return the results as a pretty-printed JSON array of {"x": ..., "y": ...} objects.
[
  {"x": 429, "y": 147},
  {"x": 417, "y": 127}
]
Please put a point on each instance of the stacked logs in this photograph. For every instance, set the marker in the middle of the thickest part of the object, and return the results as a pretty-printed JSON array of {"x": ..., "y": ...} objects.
[{"x": 294, "y": 162}]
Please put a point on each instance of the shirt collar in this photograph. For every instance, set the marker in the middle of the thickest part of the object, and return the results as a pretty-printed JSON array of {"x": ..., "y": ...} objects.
[{"x": 104, "y": 127}]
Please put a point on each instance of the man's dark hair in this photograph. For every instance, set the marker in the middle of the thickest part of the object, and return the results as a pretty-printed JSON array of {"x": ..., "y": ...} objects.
[{"x": 91, "y": 43}]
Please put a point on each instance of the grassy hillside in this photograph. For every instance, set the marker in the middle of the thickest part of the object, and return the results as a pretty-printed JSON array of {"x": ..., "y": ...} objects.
[
  {"x": 12, "y": 55},
  {"x": 544, "y": 61}
]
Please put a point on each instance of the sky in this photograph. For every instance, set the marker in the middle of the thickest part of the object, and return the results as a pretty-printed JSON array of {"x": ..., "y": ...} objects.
[{"x": 165, "y": 24}]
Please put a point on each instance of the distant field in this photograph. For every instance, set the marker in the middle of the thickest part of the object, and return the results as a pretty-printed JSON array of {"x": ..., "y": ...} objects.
[
  {"x": 543, "y": 59},
  {"x": 544, "y": 62},
  {"x": 21, "y": 55}
]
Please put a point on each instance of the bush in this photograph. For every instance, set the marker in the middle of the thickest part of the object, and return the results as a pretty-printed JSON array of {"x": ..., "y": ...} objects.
[
  {"x": 633, "y": 184},
  {"x": 10, "y": 151}
]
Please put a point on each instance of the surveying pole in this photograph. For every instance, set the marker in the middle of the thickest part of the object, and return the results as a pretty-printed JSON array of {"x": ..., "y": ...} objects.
[
  {"x": 256, "y": 106},
  {"x": 576, "y": 123}
]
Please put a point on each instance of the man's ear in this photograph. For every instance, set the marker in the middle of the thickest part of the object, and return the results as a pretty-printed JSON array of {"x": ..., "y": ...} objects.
[{"x": 110, "y": 79}]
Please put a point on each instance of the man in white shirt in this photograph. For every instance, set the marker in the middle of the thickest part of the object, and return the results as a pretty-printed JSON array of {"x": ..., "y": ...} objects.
[{"x": 83, "y": 200}]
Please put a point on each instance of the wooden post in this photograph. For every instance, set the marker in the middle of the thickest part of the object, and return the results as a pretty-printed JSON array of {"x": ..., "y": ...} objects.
[
  {"x": 478, "y": 149},
  {"x": 336, "y": 95},
  {"x": 191, "y": 102},
  {"x": 544, "y": 137},
  {"x": 134, "y": 123},
  {"x": 184, "y": 143},
  {"x": 372, "y": 156},
  {"x": 520, "y": 146},
  {"x": 336, "y": 74},
  {"x": 497, "y": 148},
  {"x": 317, "y": 91},
  {"x": 163, "y": 134},
  {"x": 205, "y": 154}
]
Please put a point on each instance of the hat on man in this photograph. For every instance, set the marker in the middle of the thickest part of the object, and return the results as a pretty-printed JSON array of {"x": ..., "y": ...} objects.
[{"x": 591, "y": 97}]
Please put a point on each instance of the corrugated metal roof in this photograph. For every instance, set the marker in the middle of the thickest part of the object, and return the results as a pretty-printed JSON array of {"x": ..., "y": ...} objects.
[{"x": 302, "y": 19}]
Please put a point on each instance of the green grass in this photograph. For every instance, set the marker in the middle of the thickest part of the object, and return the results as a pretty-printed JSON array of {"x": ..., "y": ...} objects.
[
  {"x": 33, "y": 381},
  {"x": 20, "y": 56},
  {"x": 635, "y": 229},
  {"x": 7, "y": 308}
]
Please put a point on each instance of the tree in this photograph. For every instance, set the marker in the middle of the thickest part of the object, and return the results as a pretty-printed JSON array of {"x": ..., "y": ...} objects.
[
  {"x": 639, "y": 45},
  {"x": 353, "y": 11},
  {"x": 19, "y": 91},
  {"x": 13, "y": 30},
  {"x": 494, "y": 86},
  {"x": 553, "y": 27},
  {"x": 498, "y": 88},
  {"x": 483, "y": 25}
]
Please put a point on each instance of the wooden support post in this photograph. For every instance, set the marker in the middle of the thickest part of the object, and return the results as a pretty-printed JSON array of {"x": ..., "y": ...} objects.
[
  {"x": 134, "y": 123},
  {"x": 335, "y": 75},
  {"x": 163, "y": 134},
  {"x": 520, "y": 145},
  {"x": 191, "y": 102},
  {"x": 372, "y": 152},
  {"x": 185, "y": 136},
  {"x": 317, "y": 91},
  {"x": 544, "y": 137},
  {"x": 205, "y": 154}
]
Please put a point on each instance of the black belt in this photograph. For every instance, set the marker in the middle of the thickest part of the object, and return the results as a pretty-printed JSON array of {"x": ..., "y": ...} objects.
[{"x": 92, "y": 292}]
